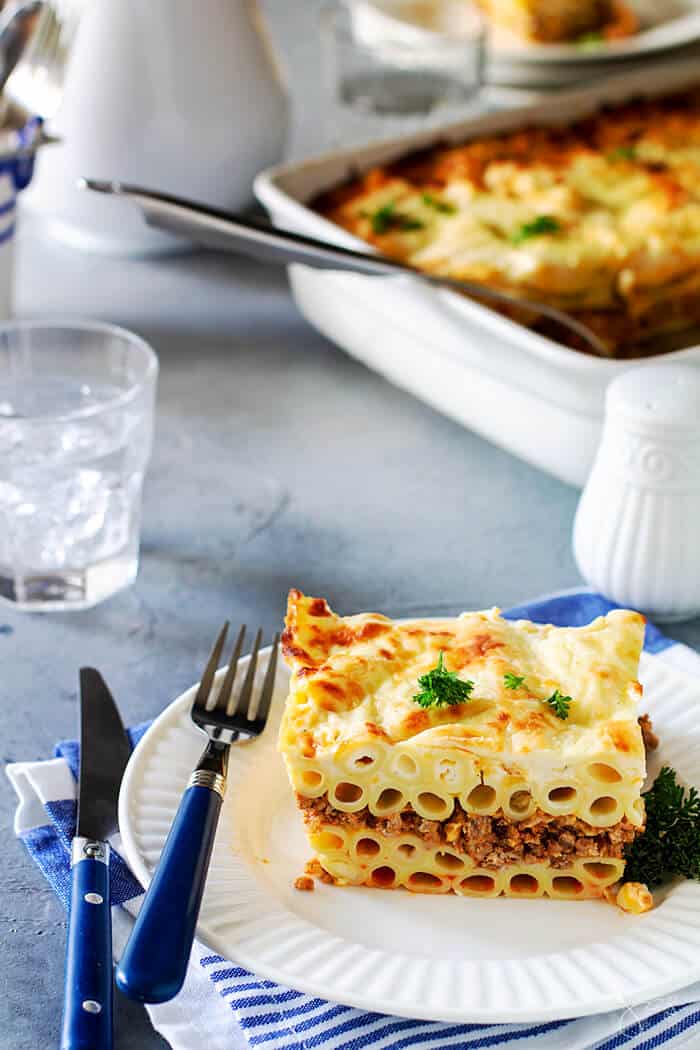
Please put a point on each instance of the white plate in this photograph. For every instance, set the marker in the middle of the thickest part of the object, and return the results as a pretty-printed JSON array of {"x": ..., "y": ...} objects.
[
  {"x": 440, "y": 958},
  {"x": 663, "y": 26}
]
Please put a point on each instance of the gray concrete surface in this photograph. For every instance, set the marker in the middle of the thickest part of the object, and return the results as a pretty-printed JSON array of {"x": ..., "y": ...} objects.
[{"x": 278, "y": 461}]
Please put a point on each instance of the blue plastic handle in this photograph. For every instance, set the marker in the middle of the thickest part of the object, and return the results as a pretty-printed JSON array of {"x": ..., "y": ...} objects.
[
  {"x": 87, "y": 1008},
  {"x": 153, "y": 966}
]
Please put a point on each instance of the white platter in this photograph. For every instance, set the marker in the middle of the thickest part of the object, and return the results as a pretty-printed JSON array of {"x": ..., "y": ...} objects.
[
  {"x": 662, "y": 26},
  {"x": 536, "y": 398},
  {"x": 441, "y": 958}
]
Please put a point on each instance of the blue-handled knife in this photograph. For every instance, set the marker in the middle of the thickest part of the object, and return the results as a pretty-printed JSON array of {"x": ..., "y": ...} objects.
[{"x": 104, "y": 753}]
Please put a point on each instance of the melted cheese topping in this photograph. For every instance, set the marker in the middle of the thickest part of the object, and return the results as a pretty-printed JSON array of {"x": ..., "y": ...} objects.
[
  {"x": 601, "y": 218},
  {"x": 353, "y": 733},
  {"x": 356, "y": 677}
]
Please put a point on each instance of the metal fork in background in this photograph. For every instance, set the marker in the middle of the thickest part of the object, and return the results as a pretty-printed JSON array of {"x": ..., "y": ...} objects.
[
  {"x": 153, "y": 966},
  {"x": 35, "y": 84}
]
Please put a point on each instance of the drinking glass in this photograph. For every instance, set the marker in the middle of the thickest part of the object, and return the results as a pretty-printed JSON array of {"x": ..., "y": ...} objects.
[
  {"x": 76, "y": 427},
  {"x": 393, "y": 66}
]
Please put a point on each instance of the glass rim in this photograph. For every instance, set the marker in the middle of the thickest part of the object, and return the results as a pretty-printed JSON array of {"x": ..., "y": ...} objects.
[
  {"x": 333, "y": 9},
  {"x": 125, "y": 397}
]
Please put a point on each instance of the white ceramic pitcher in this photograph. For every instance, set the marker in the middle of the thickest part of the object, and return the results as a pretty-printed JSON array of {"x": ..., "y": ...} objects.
[{"x": 182, "y": 96}]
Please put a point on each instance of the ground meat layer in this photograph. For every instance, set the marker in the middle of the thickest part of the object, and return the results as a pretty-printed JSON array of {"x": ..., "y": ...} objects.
[{"x": 490, "y": 841}]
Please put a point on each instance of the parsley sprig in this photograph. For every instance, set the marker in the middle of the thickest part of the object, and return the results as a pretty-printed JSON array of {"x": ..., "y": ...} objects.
[
  {"x": 387, "y": 218},
  {"x": 444, "y": 207},
  {"x": 622, "y": 153},
  {"x": 440, "y": 686},
  {"x": 539, "y": 226},
  {"x": 592, "y": 38},
  {"x": 670, "y": 842},
  {"x": 559, "y": 704}
]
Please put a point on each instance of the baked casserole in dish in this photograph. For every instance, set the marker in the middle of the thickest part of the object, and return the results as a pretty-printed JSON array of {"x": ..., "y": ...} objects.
[{"x": 600, "y": 218}]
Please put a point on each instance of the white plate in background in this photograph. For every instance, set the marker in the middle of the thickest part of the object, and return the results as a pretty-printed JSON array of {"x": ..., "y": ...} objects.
[
  {"x": 443, "y": 958},
  {"x": 663, "y": 25}
]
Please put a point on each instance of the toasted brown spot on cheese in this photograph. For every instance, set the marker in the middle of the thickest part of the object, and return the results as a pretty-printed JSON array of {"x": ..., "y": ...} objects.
[
  {"x": 342, "y": 637},
  {"x": 416, "y": 722},
  {"x": 305, "y": 672},
  {"x": 532, "y": 722},
  {"x": 332, "y": 688},
  {"x": 621, "y": 737},
  {"x": 295, "y": 651},
  {"x": 372, "y": 629},
  {"x": 484, "y": 643},
  {"x": 375, "y": 730},
  {"x": 319, "y": 607},
  {"x": 307, "y": 745},
  {"x": 452, "y": 712}
]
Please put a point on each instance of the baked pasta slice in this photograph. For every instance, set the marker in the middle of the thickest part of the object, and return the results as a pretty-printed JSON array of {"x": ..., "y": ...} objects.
[{"x": 476, "y": 755}]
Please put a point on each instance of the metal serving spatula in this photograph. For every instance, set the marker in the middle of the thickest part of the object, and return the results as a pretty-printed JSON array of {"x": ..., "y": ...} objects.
[
  {"x": 104, "y": 753},
  {"x": 227, "y": 231}
]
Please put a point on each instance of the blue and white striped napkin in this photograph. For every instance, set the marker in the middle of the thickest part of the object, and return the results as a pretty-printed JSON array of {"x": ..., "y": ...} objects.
[{"x": 224, "y": 1007}]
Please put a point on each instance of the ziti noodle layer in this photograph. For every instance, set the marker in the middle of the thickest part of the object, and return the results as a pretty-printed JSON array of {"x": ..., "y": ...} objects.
[
  {"x": 600, "y": 218},
  {"x": 514, "y": 765}
]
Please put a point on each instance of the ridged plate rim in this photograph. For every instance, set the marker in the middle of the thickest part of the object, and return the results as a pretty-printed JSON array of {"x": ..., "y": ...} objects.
[{"x": 660, "y": 954}]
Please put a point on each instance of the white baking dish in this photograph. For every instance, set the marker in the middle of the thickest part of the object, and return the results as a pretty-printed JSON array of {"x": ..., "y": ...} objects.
[{"x": 537, "y": 398}]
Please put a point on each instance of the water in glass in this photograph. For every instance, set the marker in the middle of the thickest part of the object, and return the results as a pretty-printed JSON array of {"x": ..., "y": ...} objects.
[{"x": 72, "y": 460}]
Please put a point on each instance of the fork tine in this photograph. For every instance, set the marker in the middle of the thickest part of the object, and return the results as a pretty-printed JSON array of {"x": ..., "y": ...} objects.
[
  {"x": 247, "y": 688},
  {"x": 200, "y": 700},
  {"x": 268, "y": 685},
  {"x": 223, "y": 700}
]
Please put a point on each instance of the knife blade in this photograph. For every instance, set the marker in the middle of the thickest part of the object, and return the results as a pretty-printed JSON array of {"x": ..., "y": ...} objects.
[{"x": 104, "y": 753}]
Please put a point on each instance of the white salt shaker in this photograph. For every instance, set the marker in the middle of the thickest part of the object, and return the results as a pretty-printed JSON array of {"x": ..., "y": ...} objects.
[{"x": 637, "y": 527}]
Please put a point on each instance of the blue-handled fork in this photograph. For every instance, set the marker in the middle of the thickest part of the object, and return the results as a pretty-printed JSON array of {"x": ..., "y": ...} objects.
[{"x": 153, "y": 966}]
